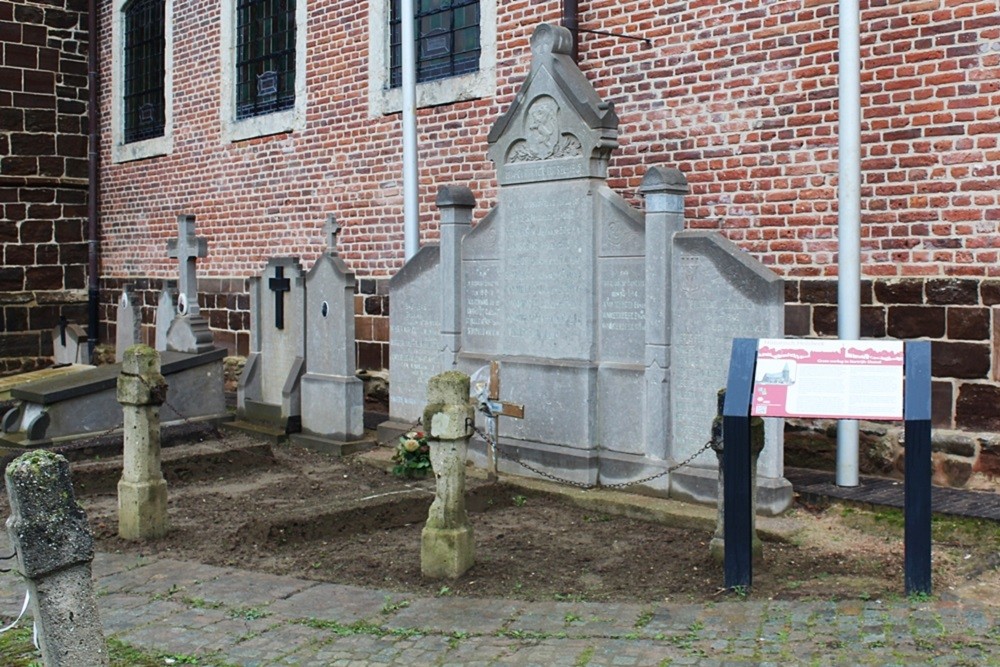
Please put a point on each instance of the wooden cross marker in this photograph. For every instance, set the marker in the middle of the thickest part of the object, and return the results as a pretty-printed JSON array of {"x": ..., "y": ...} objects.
[{"x": 497, "y": 409}]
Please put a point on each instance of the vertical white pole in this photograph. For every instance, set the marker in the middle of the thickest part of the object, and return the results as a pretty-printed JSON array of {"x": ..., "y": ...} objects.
[
  {"x": 849, "y": 217},
  {"x": 411, "y": 203}
]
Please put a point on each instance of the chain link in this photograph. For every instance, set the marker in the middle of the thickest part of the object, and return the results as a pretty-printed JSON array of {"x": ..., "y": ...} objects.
[{"x": 584, "y": 485}]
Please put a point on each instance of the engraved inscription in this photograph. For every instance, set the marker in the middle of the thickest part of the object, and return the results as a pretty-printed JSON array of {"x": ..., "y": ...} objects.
[{"x": 482, "y": 305}]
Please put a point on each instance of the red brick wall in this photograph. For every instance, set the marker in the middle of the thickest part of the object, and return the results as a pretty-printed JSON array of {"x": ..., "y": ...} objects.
[
  {"x": 43, "y": 177},
  {"x": 740, "y": 95}
]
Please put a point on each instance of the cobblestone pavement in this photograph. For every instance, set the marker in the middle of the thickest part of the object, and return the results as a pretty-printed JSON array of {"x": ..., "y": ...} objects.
[{"x": 234, "y": 617}]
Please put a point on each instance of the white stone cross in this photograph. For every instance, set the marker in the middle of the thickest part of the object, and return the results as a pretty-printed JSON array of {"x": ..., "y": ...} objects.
[{"x": 186, "y": 249}]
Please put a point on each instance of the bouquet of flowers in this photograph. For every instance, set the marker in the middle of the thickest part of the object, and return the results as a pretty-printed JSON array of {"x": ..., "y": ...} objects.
[{"x": 413, "y": 456}]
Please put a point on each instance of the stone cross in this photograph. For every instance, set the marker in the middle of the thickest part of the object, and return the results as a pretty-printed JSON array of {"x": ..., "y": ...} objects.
[
  {"x": 50, "y": 535},
  {"x": 186, "y": 249},
  {"x": 447, "y": 549},
  {"x": 142, "y": 491},
  {"x": 279, "y": 284},
  {"x": 331, "y": 228},
  {"x": 494, "y": 408}
]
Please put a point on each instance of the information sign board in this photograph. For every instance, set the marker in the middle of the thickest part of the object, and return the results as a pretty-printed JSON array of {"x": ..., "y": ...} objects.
[{"x": 831, "y": 379}]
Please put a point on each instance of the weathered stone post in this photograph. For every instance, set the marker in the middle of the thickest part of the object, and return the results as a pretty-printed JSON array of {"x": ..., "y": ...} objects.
[
  {"x": 447, "y": 549},
  {"x": 55, "y": 547},
  {"x": 142, "y": 491},
  {"x": 717, "y": 547}
]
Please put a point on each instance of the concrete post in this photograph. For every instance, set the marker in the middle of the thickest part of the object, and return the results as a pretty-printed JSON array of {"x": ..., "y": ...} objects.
[
  {"x": 55, "y": 548},
  {"x": 447, "y": 549},
  {"x": 142, "y": 491},
  {"x": 717, "y": 547}
]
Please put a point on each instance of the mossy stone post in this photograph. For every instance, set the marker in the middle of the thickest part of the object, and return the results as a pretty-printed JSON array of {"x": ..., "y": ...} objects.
[
  {"x": 447, "y": 549},
  {"x": 717, "y": 547},
  {"x": 50, "y": 534},
  {"x": 142, "y": 491}
]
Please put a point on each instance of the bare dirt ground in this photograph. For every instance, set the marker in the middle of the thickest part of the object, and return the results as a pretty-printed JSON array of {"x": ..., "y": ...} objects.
[{"x": 290, "y": 511}]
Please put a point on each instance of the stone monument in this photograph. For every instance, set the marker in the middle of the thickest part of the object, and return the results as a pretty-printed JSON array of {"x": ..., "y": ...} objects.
[
  {"x": 189, "y": 331},
  {"x": 69, "y": 343},
  {"x": 333, "y": 400},
  {"x": 127, "y": 324},
  {"x": 142, "y": 491},
  {"x": 165, "y": 313},
  {"x": 612, "y": 324},
  {"x": 269, "y": 389},
  {"x": 55, "y": 548},
  {"x": 447, "y": 548}
]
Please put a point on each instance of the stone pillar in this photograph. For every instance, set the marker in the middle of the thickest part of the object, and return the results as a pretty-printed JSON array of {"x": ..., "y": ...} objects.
[
  {"x": 717, "y": 547},
  {"x": 49, "y": 532},
  {"x": 455, "y": 203},
  {"x": 664, "y": 191},
  {"x": 447, "y": 549},
  {"x": 142, "y": 491}
]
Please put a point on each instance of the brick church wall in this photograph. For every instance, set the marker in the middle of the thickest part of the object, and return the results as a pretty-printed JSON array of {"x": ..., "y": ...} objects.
[
  {"x": 741, "y": 96},
  {"x": 43, "y": 176}
]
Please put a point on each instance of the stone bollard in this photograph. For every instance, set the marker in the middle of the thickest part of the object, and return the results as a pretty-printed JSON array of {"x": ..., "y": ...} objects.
[
  {"x": 55, "y": 547},
  {"x": 447, "y": 549},
  {"x": 142, "y": 491},
  {"x": 717, "y": 547}
]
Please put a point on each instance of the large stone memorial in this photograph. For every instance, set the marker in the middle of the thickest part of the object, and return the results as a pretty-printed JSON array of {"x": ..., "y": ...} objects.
[
  {"x": 269, "y": 389},
  {"x": 612, "y": 325},
  {"x": 333, "y": 398}
]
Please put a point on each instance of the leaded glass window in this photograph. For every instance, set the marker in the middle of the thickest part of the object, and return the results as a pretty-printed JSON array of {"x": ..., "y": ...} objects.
[
  {"x": 265, "y": 56},
  {"x": 145, "y": 69},
  {"x": 447, "y": 35}
]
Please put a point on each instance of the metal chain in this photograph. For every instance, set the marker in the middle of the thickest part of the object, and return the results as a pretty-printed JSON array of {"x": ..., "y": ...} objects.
[{"x": 584, "y": 485}]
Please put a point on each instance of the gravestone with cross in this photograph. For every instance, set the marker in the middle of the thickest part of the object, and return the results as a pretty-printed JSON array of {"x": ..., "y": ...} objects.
[
  {"x": 69, "y": 343},
  {"x": 332, "y": 397},
  {"x": 269, "y": 389},
  {"x": 127, "y": 324},
  {"x": 189, "y": 331},
  {"x": 487, "y": 393}
]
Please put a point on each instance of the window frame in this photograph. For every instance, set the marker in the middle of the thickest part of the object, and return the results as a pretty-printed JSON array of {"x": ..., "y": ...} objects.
[
  {"x": 383, "y": 99},
  {"x": 275, "y": 122},
  {"x": 427, "y": 70},
  {"x": 122, "y": 151}
]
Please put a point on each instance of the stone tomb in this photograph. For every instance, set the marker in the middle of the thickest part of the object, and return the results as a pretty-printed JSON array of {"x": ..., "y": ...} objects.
[
  {"x": 332, "y": 397},
  {"x": 269, "y": 389},
  {"x": 71, "y": 406},
  {"x": 612, "y": 325}
]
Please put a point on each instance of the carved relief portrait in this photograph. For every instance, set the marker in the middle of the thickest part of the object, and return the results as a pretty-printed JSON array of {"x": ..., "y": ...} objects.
[{"x": 543, "y": 138}]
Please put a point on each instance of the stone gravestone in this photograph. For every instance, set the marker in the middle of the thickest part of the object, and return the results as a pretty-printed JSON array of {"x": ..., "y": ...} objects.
[
  {"x": 69, "y": 343},
  {"x": 576, "y": 293},
  {"x": 165, "y": 312},
  {"x": 189, "y": 331},
  {"x": 50, "y": 535},
  {"x": 424, "y": 323},
  {"x": 332, "y": 397},
  {"x": 269, "y": 387},
  {"x": 128, "y": 322}
]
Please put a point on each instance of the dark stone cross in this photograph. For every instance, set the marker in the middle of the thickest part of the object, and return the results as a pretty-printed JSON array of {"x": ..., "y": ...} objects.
[{"x": 279, "y": 284}]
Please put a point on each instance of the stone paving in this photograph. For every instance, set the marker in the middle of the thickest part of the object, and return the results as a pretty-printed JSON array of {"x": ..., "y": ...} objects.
[{"x": 228, "y": 617}]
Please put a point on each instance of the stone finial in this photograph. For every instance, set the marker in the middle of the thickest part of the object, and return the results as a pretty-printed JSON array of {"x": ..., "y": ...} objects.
[
  {"x": 663, "y": 179},
  {"x": 549, "y": 38},
  {"x": 140, "y": 382},
  {"x": 331, "y": 230},
  {"x": 455, "y": 195}
]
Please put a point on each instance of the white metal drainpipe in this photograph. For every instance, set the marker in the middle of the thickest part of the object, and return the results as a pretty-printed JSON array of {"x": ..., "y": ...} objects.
[
  {"x": 849, "y": 217},
  {"x": 411, "y": 184}
]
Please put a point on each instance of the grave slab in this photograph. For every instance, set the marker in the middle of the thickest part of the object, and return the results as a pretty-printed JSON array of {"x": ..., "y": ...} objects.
[{"x": 85, "y": 403}]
